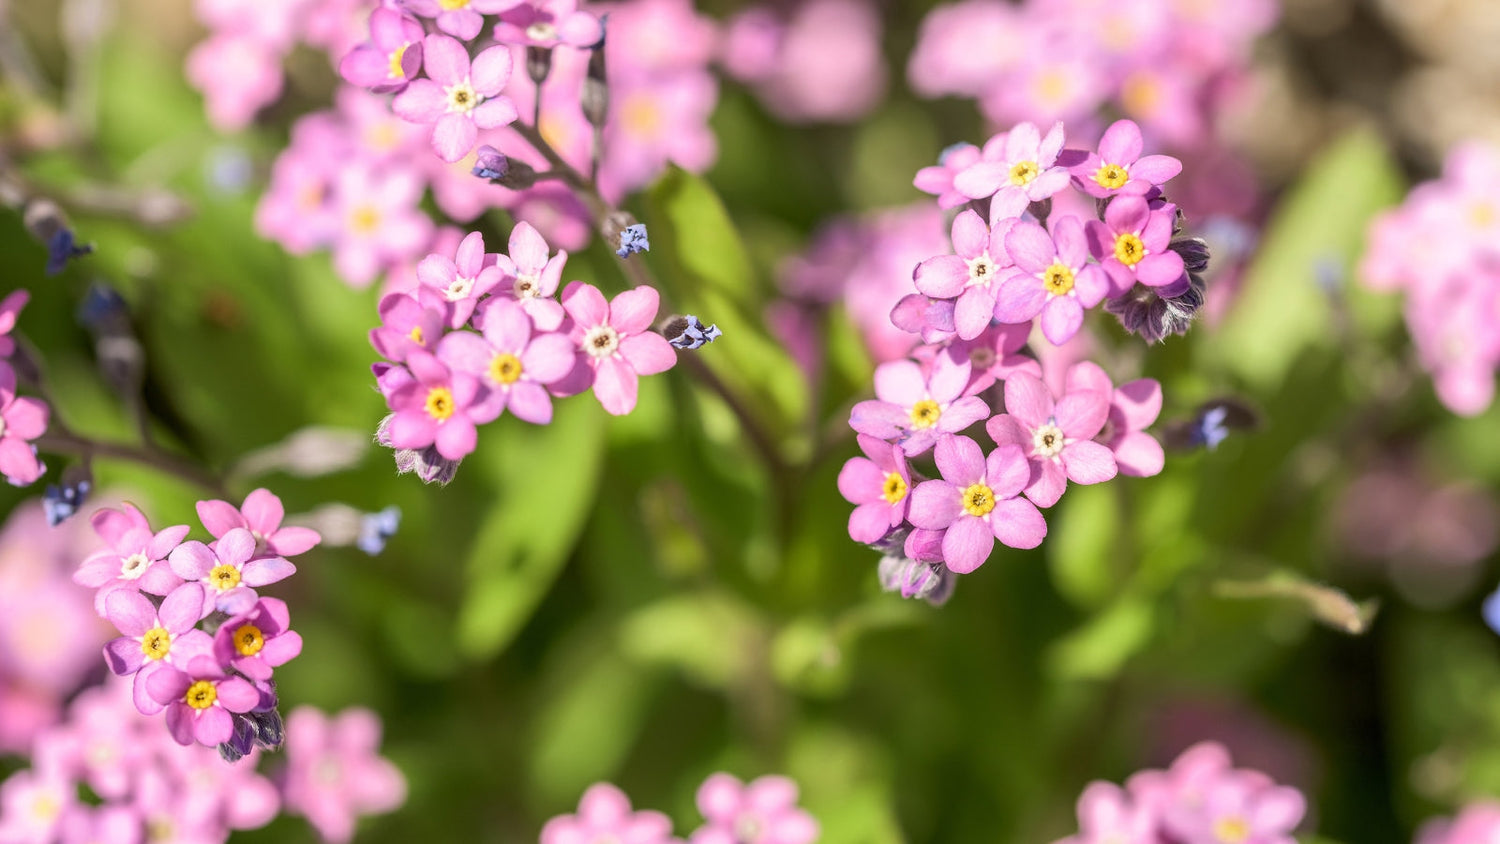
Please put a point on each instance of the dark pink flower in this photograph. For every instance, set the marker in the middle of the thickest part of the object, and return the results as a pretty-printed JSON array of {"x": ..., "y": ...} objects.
[
  {"x": 438, "y": 407},
  {"x": 229, "y": 571},
  {"x": 334, "y": 771},
  {"x": 1131, "y": 244},
  {"x": 973, "y": 276},
  {"x": 615, "y": 340},
  {"x": 1132, "y": 408},
  {"x": 461, "y": 281},
  {"x": 136, "y": 558},
  {"x": 514, "y": 364},
  {"x": 154, "y": 637},
  {"x": 258, "y": 641},
  {"x": 1052, "y": 278},
  {"x": 392, "y": 56},
  {"x": 1119, "y": 167},
  {"x": 1058, "y": 438},
  {"x": 22, "y": 419},
  {"x": 976, "y": 502},
  {"x": 457, "y": 98},
  {"x": 199, "y": 700},
  {"x": 878, "y": 483},
  {"x": 406, "y": 327},
  {"x": 763, "y": 812},
  {"x": 913, "y": 409},
  {"x": 261, "y": 514},
  {"x": 938, "y": 179},
  {"x": 604, "y": 814}
]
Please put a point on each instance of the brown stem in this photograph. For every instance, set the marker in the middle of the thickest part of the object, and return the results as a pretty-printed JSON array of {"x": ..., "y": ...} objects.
[{"x": 65, "y": 442}]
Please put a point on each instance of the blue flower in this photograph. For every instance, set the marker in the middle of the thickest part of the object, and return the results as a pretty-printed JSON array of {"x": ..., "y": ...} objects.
[
  {"x": 632, "y": 240},
  {"x": 376, "y": 529}
]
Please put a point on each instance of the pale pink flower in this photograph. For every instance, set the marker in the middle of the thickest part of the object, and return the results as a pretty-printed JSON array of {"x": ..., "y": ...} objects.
[
  {"x": 1016, "y": 169},
  {"x": 334, "y": 771},
  {"x": 912, "y": 408},
  {"x": 261, "y": 514},
  {"x": 380, "y": 223},
  {"x": 457, "y": 98},
  {"x": 229, "y": 570},
  {"x": 514, "y": 363},
  {"x": 237, "y": 75},
  {"x": 532, "y": 275},
  {"x": 976, "y": 502},
  {"x": 548, "y": 23},
  {"x": 615, "y": 340},
  {"x": 136, "y": 558},
  {"x": 764, "y": 811},
  {"x": 604, "y": 814},
  {"x": 463, "y": 19},
  {"x": 1132, "y": 408},
  {"x": 1057, "y": 437},
  {"x": 461, "y": 281}
]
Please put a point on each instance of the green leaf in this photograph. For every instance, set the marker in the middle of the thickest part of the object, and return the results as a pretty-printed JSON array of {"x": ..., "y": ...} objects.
[
  {"x": 1100, "y": 648},
  {"x": 709, "y": 636},
  {"x": 1083, "y": 550},
  {"x": 547, "y": 478},
  {"x": 1318, "y": 231}
]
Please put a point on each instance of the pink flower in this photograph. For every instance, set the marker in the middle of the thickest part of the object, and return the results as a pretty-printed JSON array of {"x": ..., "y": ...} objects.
[
  {"x": 973, "y": 275},
  {"x": 514, "y": 364},
  {"x": 136, "y": 559},
  {"x": 1131, "y": 244},
  {"x": 1118, "y": 166},
  {"x": 993, "y": 356},
  {"x": 456, "y": 98},
  {"x": 22, "y": 419},
  {"x": 10, "y": 310},
  {"x": 938, "y": 179},
  {"x": 1052, "y": 278},
  {"x": 463, "y": 19},
  {"x": 258, "y": 641},
  {"x": 463, "y": 280},
  {"x": 237, "y": 75},
  {"x": 533, "y": 275},
  {"x": 823, "y": 64},
  {"x": 762, "y": 812},
  {"x": 604, "y": 814},
  {"x": 878, "y": 483},
  {"x": 914, "y": 409},
  {"x": 1476, "y": 823},
  {"x": 976, "y": 502},
  {"x": 548, "y": 23},
  {"x": 380, "y": 224},
  {"x": 229, "y": 570},
  {"x": 1057, "y": 438},
  {"x": 1107, "y": 815},
  {"x": 656, "y": 119},
  {"x": 32, "y": 803},
  {"x": 406, "y": 327},
  {"x": 154, "y": 637},
  {"x": 438, "y": 407},
  {"x": 944, "y": 60},
  {"x": 199, "y": 700},
  {"x": 1017, "y": 169},
  {"x": 392, "y": 56},
  {"x": 1132, "y": 408},
  {"x": 616, "y": 342},
  {"x": 334, "y": 771},
  {"x": 1242, "y": 808},
  {"x": 261, "y": 514}
]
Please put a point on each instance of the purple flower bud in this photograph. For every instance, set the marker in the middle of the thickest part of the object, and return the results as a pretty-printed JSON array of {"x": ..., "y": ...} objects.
[
  {"x": 490, "y": 163},
  {"x": 633, "y": 240},
  {"x": 689, "y": 333}
]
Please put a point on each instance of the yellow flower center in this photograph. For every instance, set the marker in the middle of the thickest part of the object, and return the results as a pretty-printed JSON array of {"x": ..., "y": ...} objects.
[
  {"x": 462, "y": 98},
  {"x": 224, "y": 577},
  {"x": 979, "y": 500},
  {"x": 248, "y": 640},
  {"x": 1058, "y": 279},
  {"x": 439, "y": 403},
  {"x": 201, "y": 695},
  {"x": 1140, "y": 95},
  {"x": 45, "y": 808},
  {"x": 1111, "y": 176},
  {"x": 505, "y": 368},
  {"x": 1232, "y": 830},
  {"x": 1052, "y": 87},
  {"x": 416, "y": 335},
  {"x": 894, "y": 489},
  {"x": 396, "y": 55},
  {"x": 925, "y": 413},
  {"x": 1048, "y": 440},
  {"x": 451, "y": 5},
  {"x": 1129, "y": 250},
  {"x": 1023, "y": 172},
  {"x": 1481, "y": 215},
  {"x": 364, "y": 220},
  {"x": 641, "y": 116},
  {"x": 157, "y": 643}
]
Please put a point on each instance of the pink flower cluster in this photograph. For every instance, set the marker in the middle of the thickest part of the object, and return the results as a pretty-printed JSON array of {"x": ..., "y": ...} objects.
[
  {"x": 353, "y": 179},
  {"x": 22, "y": 418},
  {"x": 763, "y": 811},
  {"x": 1161, "y": 63},
  {"x": 1200, "y": 799},
  {"x": 1476, "y": 823},
  {"x": 149, "y": 788},
  {"x": 442, "y": 379},
  {"x": 198, "y": 640},
  {"x": 1027, "y": 262},
  {"x": 1452, "y": 293}
]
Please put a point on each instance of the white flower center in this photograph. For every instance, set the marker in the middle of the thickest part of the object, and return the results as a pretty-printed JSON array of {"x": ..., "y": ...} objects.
[
  {"x": 541, "y": 31},
  {"x": 527, "y": 286},
  {"x": 981, "y": 270},
  {"x": 747, "y": 829},
  {"x": 459, "y": 289},
  {"x": 462, "y": 98},
  {"x": 1047, "y": 440},
  {"x": 132, "y": 567},
  {"x": 601, "y": 341}
]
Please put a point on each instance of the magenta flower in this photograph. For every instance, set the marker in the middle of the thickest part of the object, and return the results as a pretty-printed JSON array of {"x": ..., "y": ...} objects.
[
  {"x": 258, "y": 641},
  {"x": 229, "y": 571},
  {"x": 136, "y": 558},
  {"x": 604, "y": 814},
  {"x": 406, "y": 327},
  {"x": 1476, "y": 823},
  {"x": 763, "y": 812},
  {"x": 973, "y": 275},
  {"x": 22, "y": 419},
  {"x": 913, "y": 409},
  {"x": 261, "y": 515},
  {"x": 938, "y": 178},
  {"x": 1131, "y": 244},
  {"x": 1118, "y": 166},
  {"x": 1241, "y": 807},
  {"x": 993, "y": 356},
  {"x": 154, "y": 636},
  {"x": 1052, "y": 278},
  {"x": 392, "y": 56},
  {"x": 616, "y": 341},
  {"x": 199, "y": 700},
  {"x": 1132, "y": 408},
  {"x": 10, "y": 310},
  {"x": 463, "y": 19},
  {"x": 514, "y": 364},
  {"x": 976, "y": 502},
  {"x": 1058, "y": 438},
  {"x": 334, "y": 772},
  {"x": 1107, "y": 815},
  {"x": 438, "y": 407},
  {"x": 878, "y": 483},
  {"x": 456, "y": 98},
  {"x": 533, "y": 275},
  {"x": 548, "y": 23},
  {"x": 1016, "y": 173},
  {"x": 378, "y": 221},
  {"x": 461, "y": 281}
]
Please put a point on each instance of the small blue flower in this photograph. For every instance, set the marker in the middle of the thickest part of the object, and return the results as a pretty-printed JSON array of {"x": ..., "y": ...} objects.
[
  {"x": 632, "y": 240},
  {"x": 688, "y": 332},
  {"x": 1209, "y": 429},
  {"x": 101, "y": 307},
  {"x": 61, "y": 502},
  {"x": 62, "y": 248},
  {"x": 1491, "y": 610},
  {"x": 376, "y": 529},
  {"x": 490, "y": 164}
]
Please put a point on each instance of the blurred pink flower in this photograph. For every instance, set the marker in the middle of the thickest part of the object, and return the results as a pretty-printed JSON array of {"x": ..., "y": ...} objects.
[
  {"x": 823, "y": 63},
  {"x": 604, "y": 814},
  {"x": 334, "y": 771},
  {"x": 764, "y": 811},
  {"x": 458, "y": 98},
  {"x": 237, "y": 75}
]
